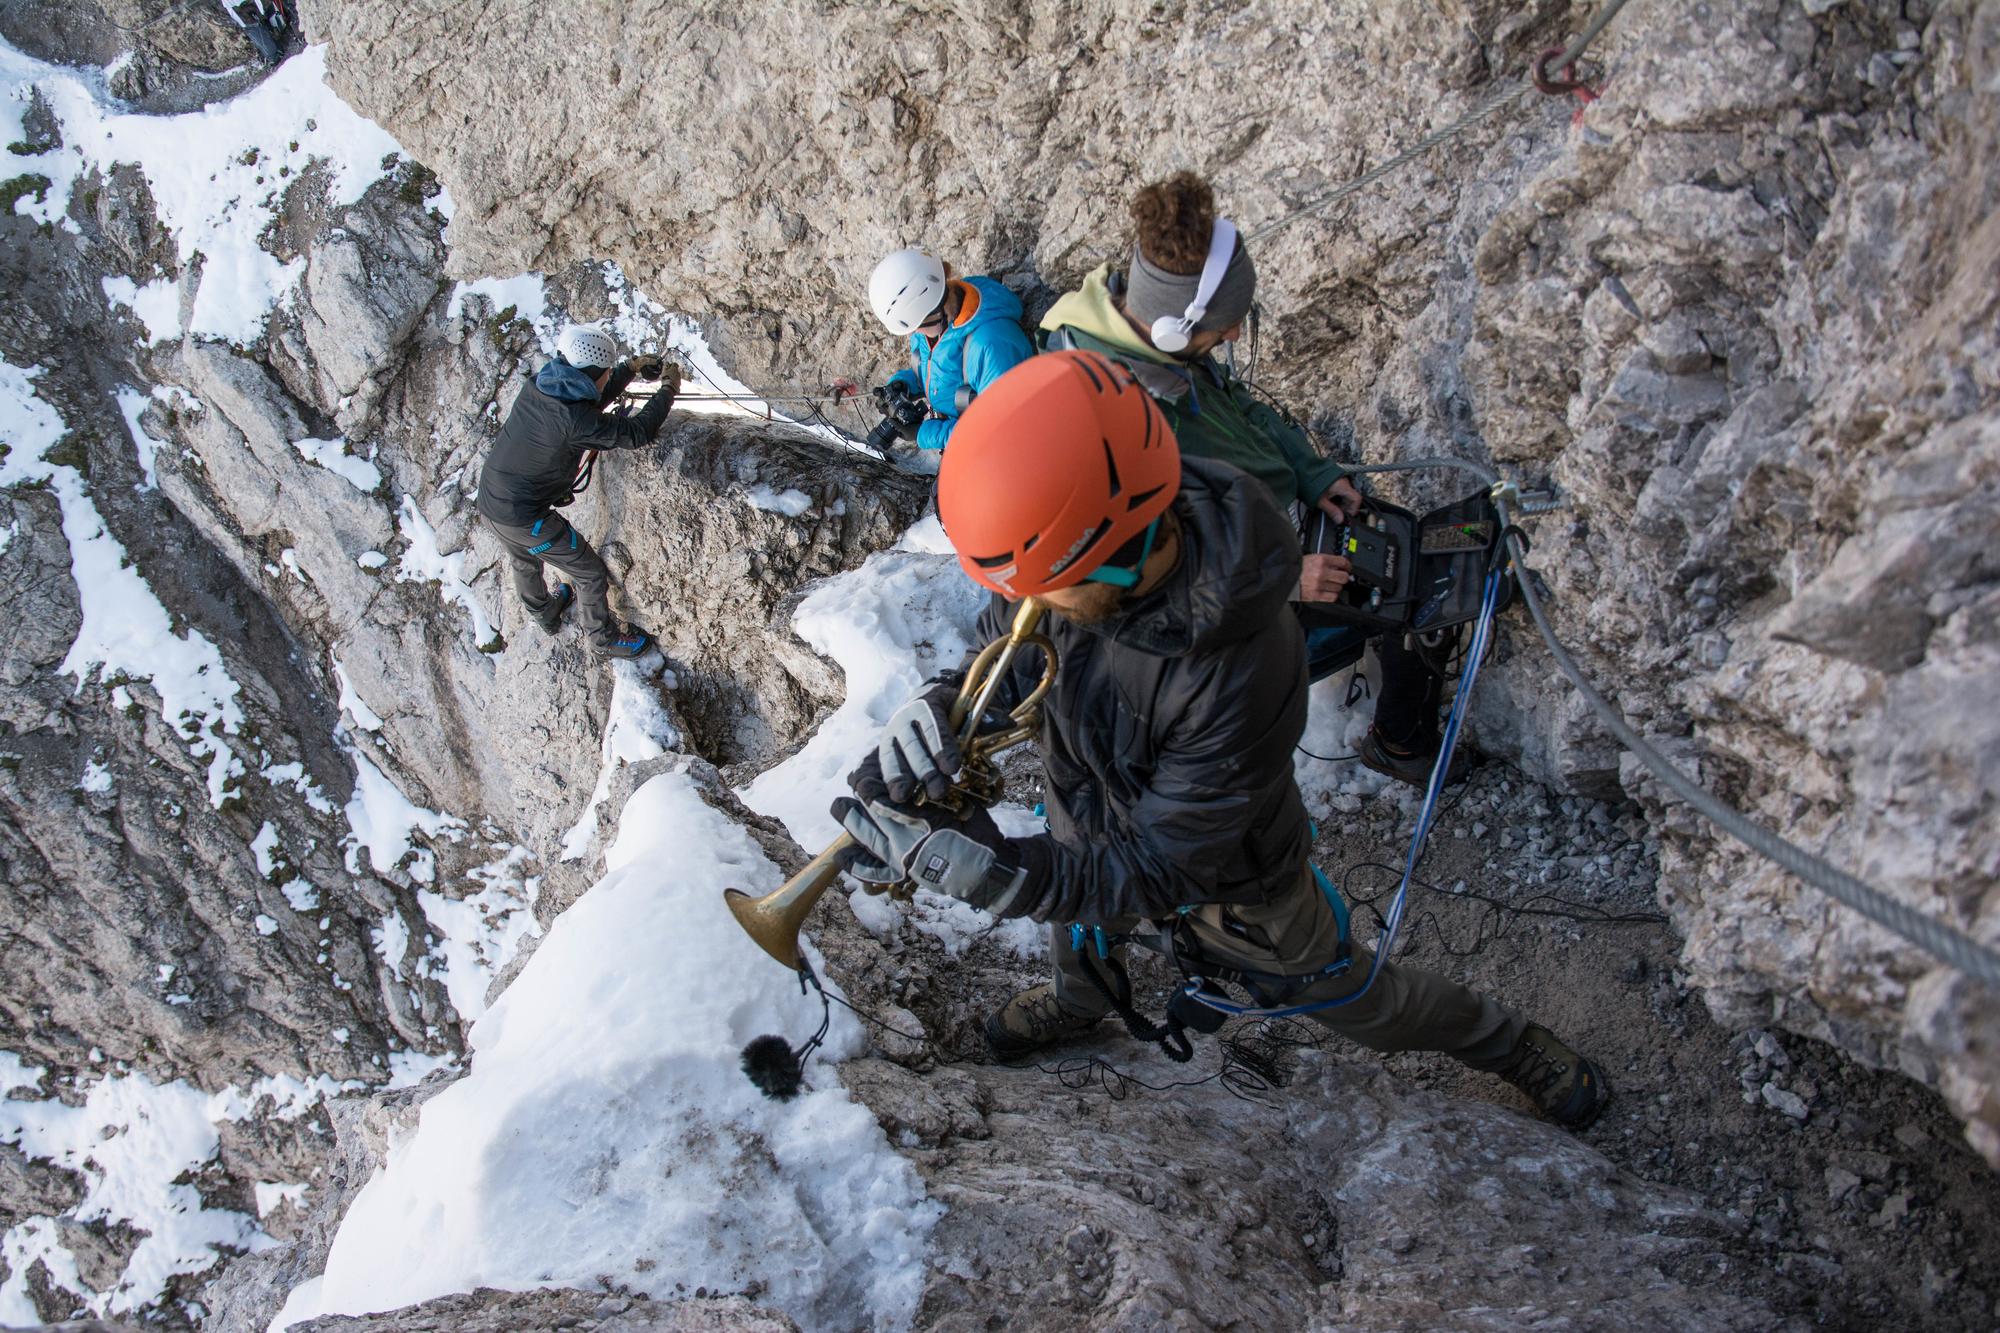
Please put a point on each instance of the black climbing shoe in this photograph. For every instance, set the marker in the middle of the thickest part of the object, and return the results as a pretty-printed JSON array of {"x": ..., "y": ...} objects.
[
  {"x": 552, "y": 612},
  {"x": 1564, "y": 1085},
  {"x": 1414, "y": 768},
  {"x": 1031, "y": 1020},
  {"x": 628, "y": 642}
]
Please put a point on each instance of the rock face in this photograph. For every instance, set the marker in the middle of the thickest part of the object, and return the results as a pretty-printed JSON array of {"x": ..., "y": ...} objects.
[
  {"x": 487, "y": 1311},
  {"x": 389, "y": 757},
  {"x": 1174, "y": 1229},
  {"x": 1741, "y": 314}
]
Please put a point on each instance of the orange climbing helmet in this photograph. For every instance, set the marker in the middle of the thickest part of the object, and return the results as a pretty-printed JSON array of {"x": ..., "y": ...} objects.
[{"x": 1058, "y": 464}]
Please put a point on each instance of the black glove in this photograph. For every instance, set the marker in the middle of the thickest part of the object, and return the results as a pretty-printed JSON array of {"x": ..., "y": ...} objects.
[
  {"x": 969, "y": 858},
  {"x": 653, "y": 367}
]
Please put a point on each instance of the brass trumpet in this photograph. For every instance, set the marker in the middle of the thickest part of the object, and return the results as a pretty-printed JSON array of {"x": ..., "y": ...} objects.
[{"x": 774, "y": 919}]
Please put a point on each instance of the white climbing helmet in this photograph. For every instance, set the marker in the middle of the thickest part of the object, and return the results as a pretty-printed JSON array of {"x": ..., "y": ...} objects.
[
  {"x": 588, "y": 347},
  {"x": 904, "y": 288}
]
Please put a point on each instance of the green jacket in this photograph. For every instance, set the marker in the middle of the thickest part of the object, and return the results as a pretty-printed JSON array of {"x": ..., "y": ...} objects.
[{"x": 1214, "y": 414}]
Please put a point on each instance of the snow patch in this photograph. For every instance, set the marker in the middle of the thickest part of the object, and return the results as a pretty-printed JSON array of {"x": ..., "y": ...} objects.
[
  {"x": 527, "y": 294},
  {"x": 96, "y": 779},
  {"x": 130, "y": 1140},
  {"x": 791, "y": 503},
  {"x": 382, "y": 822},
  {"x": 1333, "y": 785},
  {"x": 479, "y": 934},
  {"x": 273, "y": 1195},
  {"x": 125, "y": 630},
  {"x": 132, "y": 403},
  {"x": 263, "y": 846},
  {"x": 293, "y": 775},
  {"x": 423, "y": 563},
  {"x": 638, "y": 729},
  {"x": 332, "y": 455},
  {"x": 217, "y": 175},
  {"x": 891, "y": 624},
  {"x": 352, "y": 704},
  {"x": 615, "y": 1053},
  {"x": 157, "y": 304}
]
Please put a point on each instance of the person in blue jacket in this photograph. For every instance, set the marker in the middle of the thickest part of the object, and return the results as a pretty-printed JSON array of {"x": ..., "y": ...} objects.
[{"x": 964, "y": 333}]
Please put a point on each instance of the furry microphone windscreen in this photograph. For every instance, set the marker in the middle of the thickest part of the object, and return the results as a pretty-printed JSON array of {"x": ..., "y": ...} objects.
[{"x": 774, "y": 1067}]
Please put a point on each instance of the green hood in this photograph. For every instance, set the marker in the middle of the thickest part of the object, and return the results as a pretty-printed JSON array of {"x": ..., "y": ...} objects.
[
  {"x": 1213, "y": 414},
  {"x": 1091, "y": 310}
]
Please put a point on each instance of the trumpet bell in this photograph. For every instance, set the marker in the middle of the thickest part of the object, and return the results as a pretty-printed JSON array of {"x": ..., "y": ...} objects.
[
  {"x": 775, "y": 930},
  {"x": 774, "y": 919}
]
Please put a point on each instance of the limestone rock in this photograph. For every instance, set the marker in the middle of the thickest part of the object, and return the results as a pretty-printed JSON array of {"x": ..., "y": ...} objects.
[
  {"x": 489, "y": 1311},
  {"x": 1742, "y": 315}
]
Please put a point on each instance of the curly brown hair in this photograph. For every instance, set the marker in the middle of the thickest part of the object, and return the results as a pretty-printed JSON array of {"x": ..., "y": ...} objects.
[{"x": 1174, "y": 219}]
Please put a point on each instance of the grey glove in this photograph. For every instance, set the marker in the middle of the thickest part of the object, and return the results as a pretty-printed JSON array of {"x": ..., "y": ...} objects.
[
  {"x": 959, "y": 857},
  {"x": 918, "y": 748}
]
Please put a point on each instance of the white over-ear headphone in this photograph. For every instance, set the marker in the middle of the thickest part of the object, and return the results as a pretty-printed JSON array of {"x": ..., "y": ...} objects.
[{"x": 1171, "y": 333}]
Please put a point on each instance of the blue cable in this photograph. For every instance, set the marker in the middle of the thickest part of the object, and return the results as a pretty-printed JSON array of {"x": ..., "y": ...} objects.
[{"x": 1392, "y": 922}]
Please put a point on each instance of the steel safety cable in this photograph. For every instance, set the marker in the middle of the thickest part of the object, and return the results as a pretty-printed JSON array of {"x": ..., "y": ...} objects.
[
  {"x": 1484, "y": 111},
  {"x": 1942, "y": 941}
]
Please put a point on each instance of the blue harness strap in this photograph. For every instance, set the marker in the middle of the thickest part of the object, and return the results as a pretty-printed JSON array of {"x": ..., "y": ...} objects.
[{"x": 1333, "y": 900}]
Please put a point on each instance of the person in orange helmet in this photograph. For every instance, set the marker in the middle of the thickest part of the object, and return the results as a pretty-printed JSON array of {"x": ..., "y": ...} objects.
[{"x": 1174, "y": 819}]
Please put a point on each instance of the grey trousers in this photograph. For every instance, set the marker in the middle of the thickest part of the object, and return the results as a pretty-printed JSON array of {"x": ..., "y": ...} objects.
[
  {"x": 1408, "y": 1008},
  {"x": 552, "y": 541}
]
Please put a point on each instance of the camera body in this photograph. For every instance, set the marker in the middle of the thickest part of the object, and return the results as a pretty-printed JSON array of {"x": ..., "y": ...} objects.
[
  {"x": 903, "y": 410},
  {"x": 1411, "y": 572}
]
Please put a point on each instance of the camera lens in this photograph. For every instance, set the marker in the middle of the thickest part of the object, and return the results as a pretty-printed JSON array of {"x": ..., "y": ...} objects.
[{"x": 882, "y": 436}]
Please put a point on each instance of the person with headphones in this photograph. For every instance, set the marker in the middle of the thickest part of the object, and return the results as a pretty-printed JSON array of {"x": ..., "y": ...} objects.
[
  {"x": 1174, "y": 819},
  {"x": 963, "y": 334},
  {"x": 1186, "y": 292},
  {"x": 557, "y": 419}
]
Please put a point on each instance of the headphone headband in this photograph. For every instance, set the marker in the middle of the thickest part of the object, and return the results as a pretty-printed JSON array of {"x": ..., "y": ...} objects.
[{"x": 1172, "y": 333}]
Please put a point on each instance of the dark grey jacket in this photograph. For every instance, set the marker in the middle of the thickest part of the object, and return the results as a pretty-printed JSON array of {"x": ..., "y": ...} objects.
[
  {"x": 1167, "y": 740},
  {"x": 555, "y": 419}
]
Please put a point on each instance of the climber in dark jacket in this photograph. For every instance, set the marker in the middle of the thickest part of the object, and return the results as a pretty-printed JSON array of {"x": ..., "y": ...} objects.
[
  {"x": 556, "y": 421},
  {"x": 1166, "y": 738},
  {"x": 1152, "y": 319}
]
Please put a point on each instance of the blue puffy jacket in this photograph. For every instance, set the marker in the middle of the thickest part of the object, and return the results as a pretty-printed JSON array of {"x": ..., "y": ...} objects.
[{"x": 985, "y": 343}]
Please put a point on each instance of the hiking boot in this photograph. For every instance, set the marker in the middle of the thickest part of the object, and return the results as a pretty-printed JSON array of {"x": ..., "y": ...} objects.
[
  {"x": 1413, "y": 767},
  {"x": 1565, "y": 1086},
  {"x": 1031, "y": 1020},
  {"x": 552, "y": 612},
  {"x": 628, "y": 642}
]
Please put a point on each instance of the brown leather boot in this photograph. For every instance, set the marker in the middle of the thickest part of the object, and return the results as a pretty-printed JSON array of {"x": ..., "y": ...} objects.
[
  {"x": 1031, "y": 1020},
  {"x": 1564, "y": 1085}
]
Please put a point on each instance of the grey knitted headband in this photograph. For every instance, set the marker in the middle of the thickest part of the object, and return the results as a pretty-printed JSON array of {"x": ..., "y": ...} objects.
[{"x": 1152, "y": 293}]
